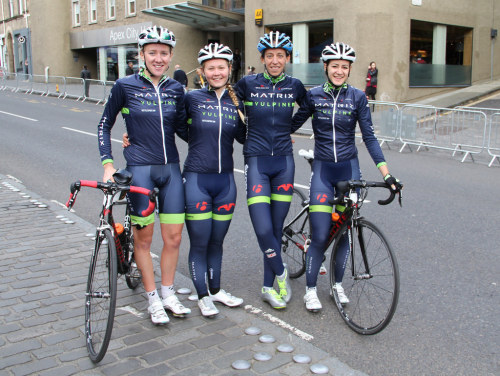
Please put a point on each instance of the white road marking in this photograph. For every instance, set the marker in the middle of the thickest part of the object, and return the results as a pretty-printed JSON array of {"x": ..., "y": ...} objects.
[
  {"x": 19, "y": 116},
  {"x": 299, "y": 333},
  {"x": 132, "y": 310},
  {"x": 88, "y": 133}
]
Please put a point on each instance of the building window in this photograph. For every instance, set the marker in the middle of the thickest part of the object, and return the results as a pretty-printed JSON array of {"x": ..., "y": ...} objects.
[
  {"x": 76, "y": 12},
  {"x": 440, "y": 55},
  {"x": 92, "y": 11},
  {"x": 21, "y": 6},
  {"x": 130, "y": 7},
  {"x": 111, "y": 9}
]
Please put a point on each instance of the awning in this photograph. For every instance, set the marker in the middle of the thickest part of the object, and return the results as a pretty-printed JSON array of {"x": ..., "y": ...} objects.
[{"x": 200, "y": 16}]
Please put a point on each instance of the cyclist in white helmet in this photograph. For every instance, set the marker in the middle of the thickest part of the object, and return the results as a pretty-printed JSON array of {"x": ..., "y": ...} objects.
[
  {"x": 214, "y": 122},
  {"x": 336, "y": 108},
  {"x": 152, "y": 106}
]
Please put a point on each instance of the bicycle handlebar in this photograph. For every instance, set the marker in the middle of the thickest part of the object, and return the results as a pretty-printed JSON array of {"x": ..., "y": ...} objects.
[
  {"x": 113, "y": 187},
  {"x": 345, "y": 186}
]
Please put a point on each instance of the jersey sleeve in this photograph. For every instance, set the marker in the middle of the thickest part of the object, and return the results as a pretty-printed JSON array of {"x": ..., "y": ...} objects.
[
  {"x": 181, "y": 126},
  {"x": 367, "y": 131},
  {"x": 115, "y": 103},
  {"x": 304, "y": 112}
]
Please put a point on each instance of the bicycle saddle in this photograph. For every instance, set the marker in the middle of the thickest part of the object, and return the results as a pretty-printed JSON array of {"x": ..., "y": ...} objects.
[{"x": 122, "y": 176}]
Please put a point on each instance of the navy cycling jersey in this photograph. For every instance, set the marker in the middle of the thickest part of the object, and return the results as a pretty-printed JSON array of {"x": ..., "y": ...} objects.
[
  {"x": 269, "y": 104},
  {"x": 213, "y": 124},
  {"x": 152, "y": 116},
  {"x": 335, "y": 112}
]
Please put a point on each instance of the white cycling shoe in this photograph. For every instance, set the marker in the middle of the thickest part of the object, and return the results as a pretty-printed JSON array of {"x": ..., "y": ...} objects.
[
  {"x": 158, "y": 314},
  {"x": 207, "y": 307},
  {"x": 226, "y": 299},
  {"x": 311, "y": 300},
  {"x": 343, "y": 299},
  {"x": 173, "y": 304}
]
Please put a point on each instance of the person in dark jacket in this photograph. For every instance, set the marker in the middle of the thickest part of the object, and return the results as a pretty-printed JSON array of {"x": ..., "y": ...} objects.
[
  {"x": 85, "y": 74},
  {"x": 371, "y": 81},
  {"x": 336, "y": 108},
  {"x": 180, "y": 76}
]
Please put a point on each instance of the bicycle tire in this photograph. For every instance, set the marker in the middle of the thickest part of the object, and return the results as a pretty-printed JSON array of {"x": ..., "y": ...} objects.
[
  {"x": 100, "y": 297},
  {"x": 372, "y": 300},
  {"x": 295, "y": 234},
  {"x": 133, "y": 277}
]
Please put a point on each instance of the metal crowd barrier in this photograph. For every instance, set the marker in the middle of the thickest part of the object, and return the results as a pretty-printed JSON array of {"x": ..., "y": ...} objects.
[
  {"x": 457, "y": 130},
  {"x": 494, "y": 138},
  {"x": 108, "y": 86},
  {"x": 56, "y": 85},
  {"x": 24, "y": 82},
  {"x": 38, "y": 84},
  {"x": 74, "y": 88},
  {"x": 10, "y": 81},
  {"x": 94, "y": 90},
  {"x": 385, "y": 117}
]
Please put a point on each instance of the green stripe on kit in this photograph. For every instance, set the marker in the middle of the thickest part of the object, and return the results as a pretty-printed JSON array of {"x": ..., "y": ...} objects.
[
  {"x": 321, "y": 208},
  {"x": 283, "y": 198},
  {"x": 198, "y": 216},
  {"x": 258, "y": 200},
  {"x": 172, "y": 219},
  {"x": 125, "y": 111},
  {"x": 248, "y": 103},
  {"x": 143, "y": 221},
  {"x": 222, "y": 217}
]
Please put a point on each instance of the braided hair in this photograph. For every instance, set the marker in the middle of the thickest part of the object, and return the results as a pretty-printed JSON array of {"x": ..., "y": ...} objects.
[{"x": 235, "y": 100}]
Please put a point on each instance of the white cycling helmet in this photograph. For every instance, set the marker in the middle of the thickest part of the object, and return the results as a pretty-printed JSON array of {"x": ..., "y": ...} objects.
[
  {"x": 338, "y": 51},
  {"x": 215, "y": 51},
  {"x": 275, "y": 39},
  {"x": 156, "y": 34}
]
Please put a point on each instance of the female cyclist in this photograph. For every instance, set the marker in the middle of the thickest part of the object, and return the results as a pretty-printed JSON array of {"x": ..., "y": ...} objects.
[
  {"x": 210, "y": 190},
  {"x": 152, "y": 105},
  {"x": 269, "y": 99},
  {"x": 335, "y": 108}
]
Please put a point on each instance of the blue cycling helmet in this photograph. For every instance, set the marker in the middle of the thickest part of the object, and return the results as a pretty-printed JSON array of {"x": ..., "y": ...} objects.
[{"x": 275, "y": 39}]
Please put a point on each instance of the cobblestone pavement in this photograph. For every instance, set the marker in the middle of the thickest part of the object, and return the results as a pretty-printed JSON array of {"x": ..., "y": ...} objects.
[{"x": 45, "y": 251}]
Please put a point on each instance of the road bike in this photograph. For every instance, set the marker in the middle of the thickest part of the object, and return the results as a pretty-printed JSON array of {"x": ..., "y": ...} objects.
[
  {"x": 371, "y": 279},
  {"x": 113, "y": 255}
]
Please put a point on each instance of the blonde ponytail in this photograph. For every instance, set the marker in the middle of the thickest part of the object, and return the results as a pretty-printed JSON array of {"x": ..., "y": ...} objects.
[{"x": 235, "y": 100}]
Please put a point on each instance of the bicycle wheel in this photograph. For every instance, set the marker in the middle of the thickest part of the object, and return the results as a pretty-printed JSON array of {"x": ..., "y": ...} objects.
[
  {"x": 133, "y": 276},
  {"x": 100, "y": 298},
  {"x": 371, "y": 280},
  {"x": 296, "y": 235}
]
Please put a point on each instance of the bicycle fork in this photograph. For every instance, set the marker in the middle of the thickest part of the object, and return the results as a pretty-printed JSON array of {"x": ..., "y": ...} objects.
[{"x": 355, "y": 231}]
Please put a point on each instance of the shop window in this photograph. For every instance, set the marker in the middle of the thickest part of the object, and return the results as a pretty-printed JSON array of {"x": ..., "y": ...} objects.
[
  {"x": 440, "y": 55},
  {"x": 111, "y": 9},
  {"x": 92, "y": 11},
  {"x": 76, "y": 12}
]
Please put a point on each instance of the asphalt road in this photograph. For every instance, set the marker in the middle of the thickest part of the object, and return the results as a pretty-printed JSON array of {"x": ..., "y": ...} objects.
[{"x": 445, "y": 236}]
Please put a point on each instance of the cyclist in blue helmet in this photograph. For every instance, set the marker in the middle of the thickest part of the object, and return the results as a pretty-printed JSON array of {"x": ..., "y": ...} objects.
[
  {"x": 336, "y": 108},
  {"x": 152, "y": 106},
  {"x": 269, "y": 99}
]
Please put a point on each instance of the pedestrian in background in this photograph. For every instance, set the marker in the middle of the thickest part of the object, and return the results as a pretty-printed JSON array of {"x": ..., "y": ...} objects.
[
  {"x": 85, "y": 74},
  {"x": 250, "y": 70},
  {"x": 199, "y": 79},
  {"x": 235, "y": 70},
  {"x": 130, "y": 69},
  {"x": 180, "y": 76},
  {"x": 371, "y": 81}
]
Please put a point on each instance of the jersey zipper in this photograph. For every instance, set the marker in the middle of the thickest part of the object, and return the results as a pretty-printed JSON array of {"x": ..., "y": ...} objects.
[
  {"x": 273, "y": 128},
  {"x": 333, "y": 124},
  {"x": 157, "y": 88},
  {"x": 220, "y": 130}
]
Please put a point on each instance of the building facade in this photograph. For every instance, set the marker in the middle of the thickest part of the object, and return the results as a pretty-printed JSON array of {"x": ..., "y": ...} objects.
[{"x": 421, "y": 47}]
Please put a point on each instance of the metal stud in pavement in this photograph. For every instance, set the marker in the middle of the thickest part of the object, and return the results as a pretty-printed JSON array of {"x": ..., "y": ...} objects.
[
  {"x": 267, "y": 338},
  {"x": 285, "y": 348},
  {"x": 262, "y": 356},
  {"x": 193, "y": 297},
  {"x": 301, "y": 358},
  {"x": 253, "y": 331},
  {"x": 319, "y": 369},
  {"x": 241, "y": 364},
  {"x": 184, "y": 291}
]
